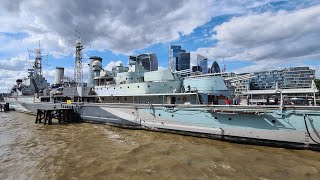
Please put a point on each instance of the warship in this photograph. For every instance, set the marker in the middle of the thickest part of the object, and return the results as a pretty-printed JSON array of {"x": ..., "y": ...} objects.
[{"x": 142, "y": 97}]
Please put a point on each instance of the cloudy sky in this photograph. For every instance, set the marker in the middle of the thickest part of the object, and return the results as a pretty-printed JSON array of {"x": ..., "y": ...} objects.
[{"x": 245, "y": 35}]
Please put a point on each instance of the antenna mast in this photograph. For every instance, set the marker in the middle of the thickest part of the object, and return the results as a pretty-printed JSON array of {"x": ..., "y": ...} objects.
[
  {"x": 224, "y": 66},
  {"x": 37, "y": 64},
  {"x": 78, "y": 72}
]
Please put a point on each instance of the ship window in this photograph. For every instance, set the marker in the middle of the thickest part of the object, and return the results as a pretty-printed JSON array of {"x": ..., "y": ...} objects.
[
  {"x": 102, "y": 99},
  {"x": 138, "y": 86},
  {"x": 126, "y": 78},
  {"x": 120, "y": 87},
  {"x": 148, "y": 85},
  {"x": 114, "y": 88},
  {"x": 128, "y": 86},
  {"x": 137, "y": 78},
  {"x": 125, "y": 99},
  {"x": 117, "y": 98}
]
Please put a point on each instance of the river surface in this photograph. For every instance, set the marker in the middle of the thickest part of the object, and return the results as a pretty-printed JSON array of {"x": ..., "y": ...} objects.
[{"x": 96, "y": 151}]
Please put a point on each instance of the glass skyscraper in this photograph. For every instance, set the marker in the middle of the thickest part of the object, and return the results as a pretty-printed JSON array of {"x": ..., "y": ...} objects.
[
  {"x": 203, "y": 63},
  {"x": 148, "y": 60},
  {"x": 179, "y": 59}
]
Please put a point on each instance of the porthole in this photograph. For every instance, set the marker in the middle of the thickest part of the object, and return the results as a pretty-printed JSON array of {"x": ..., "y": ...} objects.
[
  {"x": 138, "y": 86},
  {"x": 273, "y": 121},
  {"x": 128, "y": 86},
  {"x": 172, "y": 115},
  {"x": 215, "y": 118},
  {"x": 159, "y": 114},
  {"x": 229, "y": 119}
]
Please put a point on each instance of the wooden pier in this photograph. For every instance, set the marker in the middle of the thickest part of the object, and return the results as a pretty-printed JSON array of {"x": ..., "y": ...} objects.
[{"x": 62, "y": 115}]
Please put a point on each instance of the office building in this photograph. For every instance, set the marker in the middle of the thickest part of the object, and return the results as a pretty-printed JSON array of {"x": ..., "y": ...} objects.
[
  {"x": 215, "y": 68},
  {"x": 203, "y": 63},
  {"x": 179, "y": 59},
  {"x": 297, "y": 77},
  {"x": 148, "y": 60},
  {"x": 287, "y": 78}
]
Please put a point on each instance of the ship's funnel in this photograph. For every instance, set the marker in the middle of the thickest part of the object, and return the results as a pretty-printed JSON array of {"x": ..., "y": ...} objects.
[{"x": 59, "y": 75}]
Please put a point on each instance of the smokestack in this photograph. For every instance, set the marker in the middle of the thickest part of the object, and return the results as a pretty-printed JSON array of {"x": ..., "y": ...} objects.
[{"x": 59, "y": 75}]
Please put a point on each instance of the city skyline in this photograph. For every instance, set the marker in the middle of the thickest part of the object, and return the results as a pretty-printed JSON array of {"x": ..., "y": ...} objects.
[{"x": 248, "y": 36}]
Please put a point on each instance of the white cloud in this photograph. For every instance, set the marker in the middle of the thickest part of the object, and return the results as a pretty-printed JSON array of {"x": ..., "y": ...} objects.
[
  {"x": 259, "y": 66},
  {"x": 19, "y": 63},
  {"x": 118, "y": 26},
  {"x": 161, "y": 68},
  {"x": 112, "y": 64},
  {"x": 269, "y": 36}
]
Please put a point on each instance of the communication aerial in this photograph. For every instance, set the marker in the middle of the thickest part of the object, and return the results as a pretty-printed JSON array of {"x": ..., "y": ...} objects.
[
  {"x": 78, "y": 71},
  {"x": 37, "y": 63}
]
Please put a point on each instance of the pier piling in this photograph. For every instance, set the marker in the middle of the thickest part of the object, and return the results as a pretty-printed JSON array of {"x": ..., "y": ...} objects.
[
  {"x": 62, "y": 115},
  {"x": 4, "y": 107}
]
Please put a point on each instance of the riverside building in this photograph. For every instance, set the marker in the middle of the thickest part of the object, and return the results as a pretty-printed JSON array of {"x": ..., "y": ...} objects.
[{"x": 287, "y": 78}]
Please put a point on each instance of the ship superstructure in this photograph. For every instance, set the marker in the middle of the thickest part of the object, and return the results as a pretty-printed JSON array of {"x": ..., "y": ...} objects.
[
  {"x": 139, "y": 96},
  {"x": 35, "y": 82}
]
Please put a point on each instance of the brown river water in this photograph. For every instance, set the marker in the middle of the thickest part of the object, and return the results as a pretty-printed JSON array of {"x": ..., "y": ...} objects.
[{"x": 97, "y": 151}]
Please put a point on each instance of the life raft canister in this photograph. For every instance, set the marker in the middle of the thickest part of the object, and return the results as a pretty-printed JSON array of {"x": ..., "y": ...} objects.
[{"x": 184, "y": 98}]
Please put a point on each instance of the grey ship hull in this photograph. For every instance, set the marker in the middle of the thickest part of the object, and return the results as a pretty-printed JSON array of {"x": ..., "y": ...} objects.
[{"x": 292, "y": 127}]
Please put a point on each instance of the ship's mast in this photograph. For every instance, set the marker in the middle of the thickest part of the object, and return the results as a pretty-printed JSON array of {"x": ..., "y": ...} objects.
[
  {"x": 78, "y": 72},
  {"x": 37, "y": 64}
]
